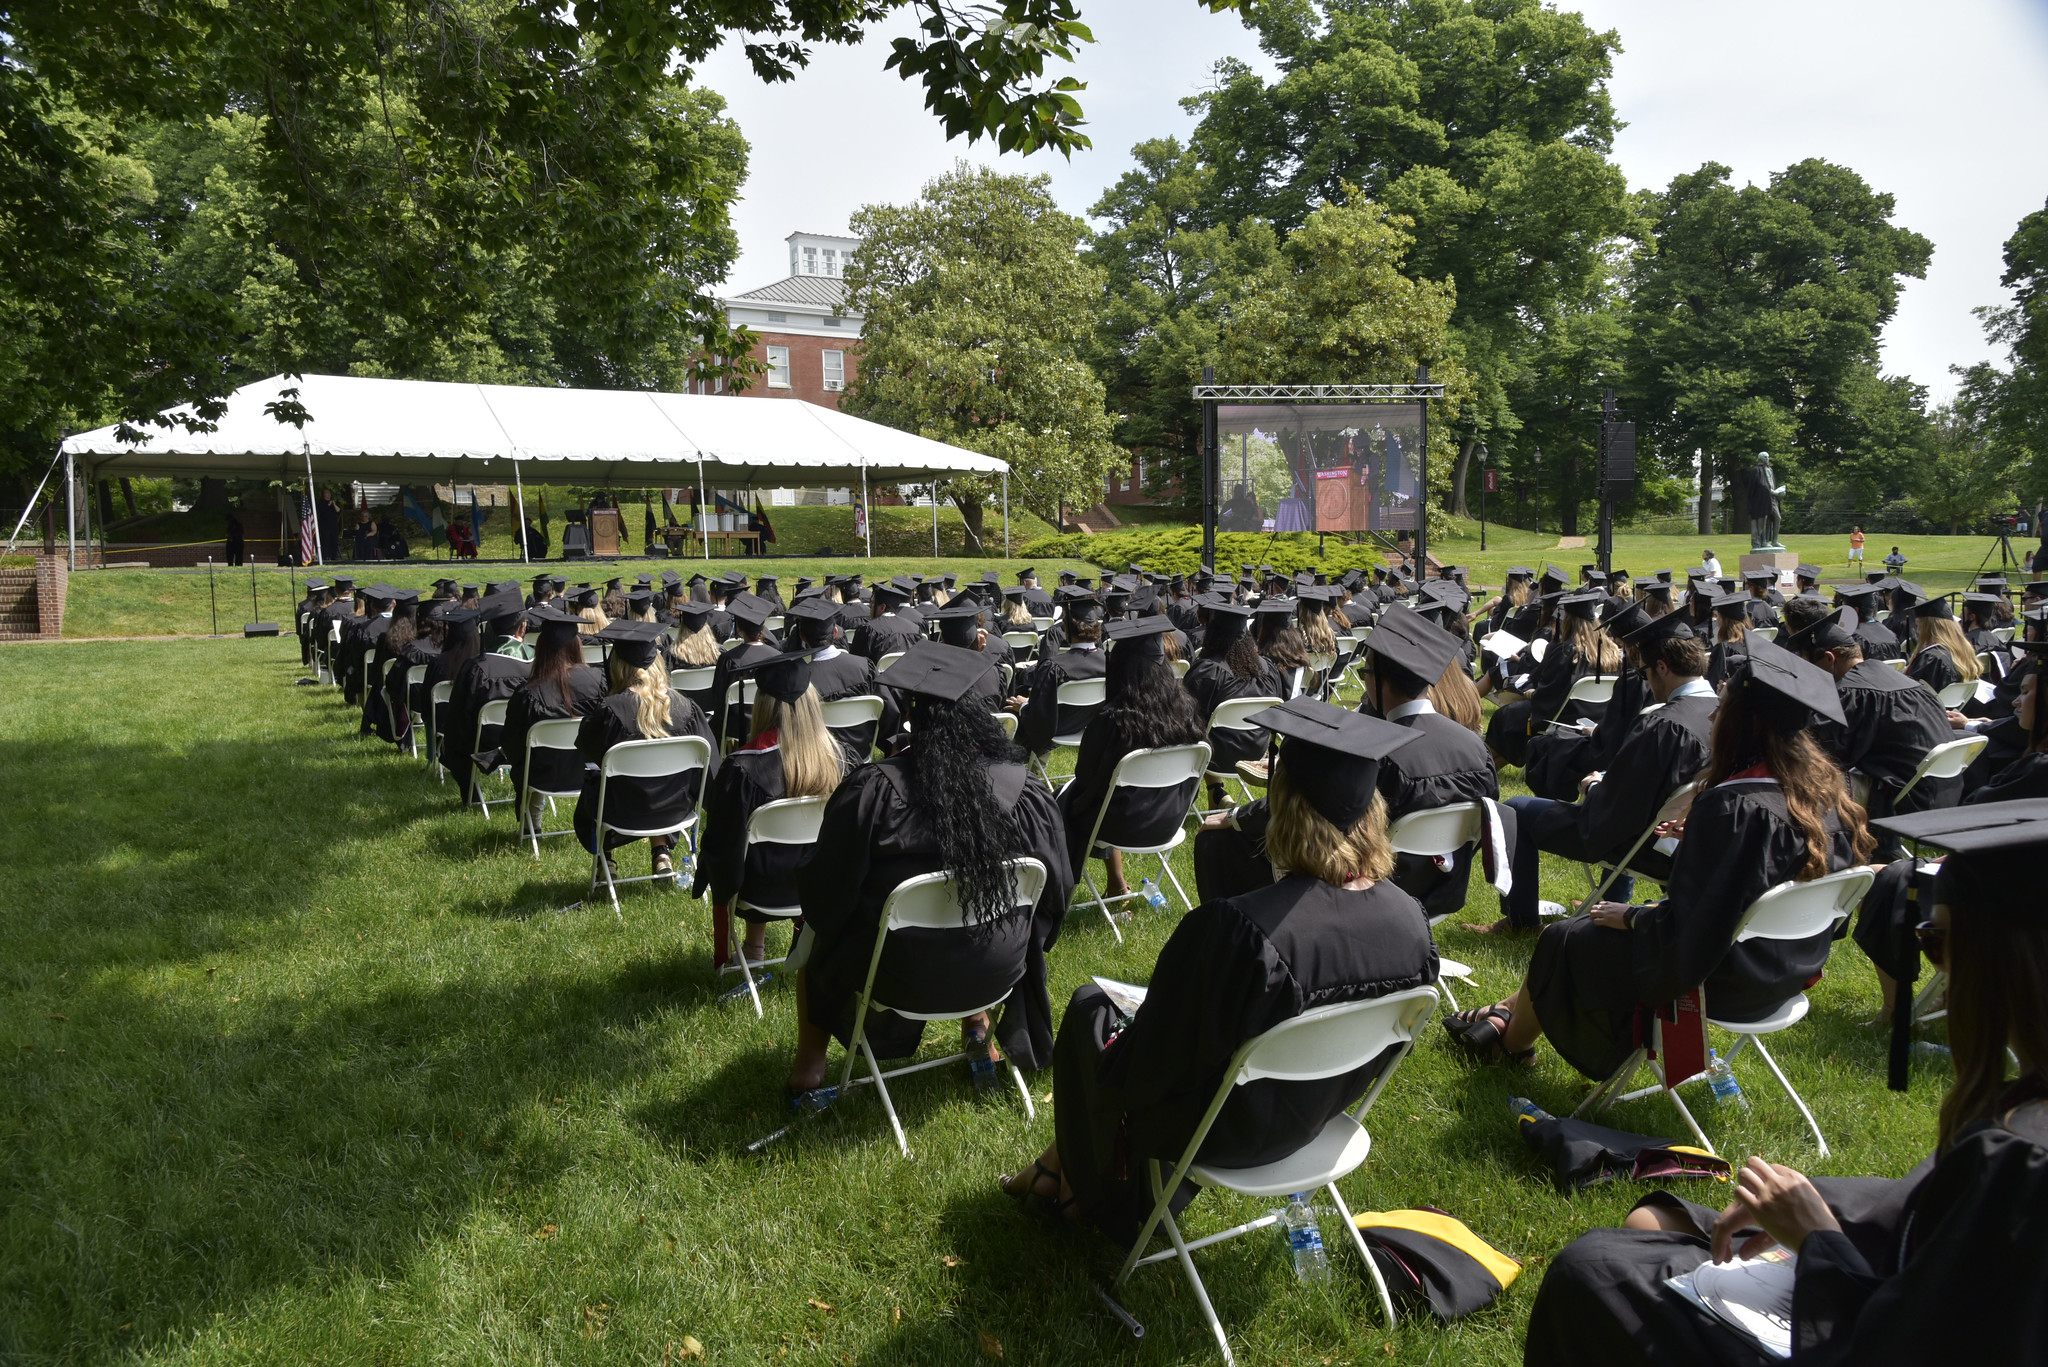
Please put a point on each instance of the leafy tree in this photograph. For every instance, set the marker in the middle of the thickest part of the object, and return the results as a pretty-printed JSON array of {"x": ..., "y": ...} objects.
[
  {"x": 976, "y": 308},
  {"x": 1485, "y": 122},
  {"x": 2014, "y": 401},
  {"x": 1969, "y": 476},
  {"x": 1755, "y": 324}
]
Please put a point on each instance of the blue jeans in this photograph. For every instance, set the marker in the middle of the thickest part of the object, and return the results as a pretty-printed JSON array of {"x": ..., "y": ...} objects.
[{"x": 1541, "y": 824}]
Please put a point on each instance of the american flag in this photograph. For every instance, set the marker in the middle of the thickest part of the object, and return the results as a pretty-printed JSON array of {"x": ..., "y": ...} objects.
[{"x": 309, "y": 532}]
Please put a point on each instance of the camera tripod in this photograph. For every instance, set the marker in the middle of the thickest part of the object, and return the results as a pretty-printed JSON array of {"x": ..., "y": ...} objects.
[{"x": 2005, "y": 553}]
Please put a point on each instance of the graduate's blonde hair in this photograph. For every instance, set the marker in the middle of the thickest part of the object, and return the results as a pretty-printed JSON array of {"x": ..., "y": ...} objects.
[
  {"x": 1942, "y": 631},
  {"x": 649, "y": 685},
  {"x": 1595, "y": 646},
  {"x": 812, "y": 762},
  {"x": 1300, "y": 839},
  {"x": 698, "y": 649}
]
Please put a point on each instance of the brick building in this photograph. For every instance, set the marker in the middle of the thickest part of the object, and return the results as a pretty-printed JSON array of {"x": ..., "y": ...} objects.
[{"x": 808, "y": 343}]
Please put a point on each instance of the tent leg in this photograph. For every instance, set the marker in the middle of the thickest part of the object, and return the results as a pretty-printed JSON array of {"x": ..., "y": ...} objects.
[
  {"x": 935, "y": 519},
  {"x": 703, "y": 541},
  {"x": 1006, "y": 514},
  {"x": 867, "y": 512},
  {"x": 71, "y": 509},
  {"x": 519, "y": 511}
]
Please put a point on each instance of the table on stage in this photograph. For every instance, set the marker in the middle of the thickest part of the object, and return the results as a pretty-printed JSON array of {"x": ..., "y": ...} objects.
[{"x": 683, "y": 541}]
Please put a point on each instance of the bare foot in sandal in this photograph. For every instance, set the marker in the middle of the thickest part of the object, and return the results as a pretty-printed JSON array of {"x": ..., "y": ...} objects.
[{"x": 1482, "y": 1033}]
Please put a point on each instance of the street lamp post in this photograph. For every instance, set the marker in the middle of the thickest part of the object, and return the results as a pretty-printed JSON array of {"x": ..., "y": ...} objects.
[{"x": 1485, "y": 486}]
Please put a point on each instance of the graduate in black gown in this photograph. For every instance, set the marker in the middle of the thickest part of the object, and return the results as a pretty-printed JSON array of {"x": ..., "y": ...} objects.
[
  {"x": 1772, "y": 808},
  {"x": 560, "y": 686},
  {"x": 1759, "y": 586},
  {"x": 1888, "y": 725},
  {"x": 1872, "y": 638},
  {"x": 460, "y": 643},
  {"x": 1941, "y": 656},
  {"x": 383, "y": 710},
  {"x": 1333, "y": 929},
  {"x": 1230, "y": 667},
  {"x": 493, "y": 675},
  {"x": 415, "y": 644},
  {"x": 1946, "y": 1264},
  {"x": 1559, "y": 761},
  {"x": 1147, "y": 709},
  {"x": 958, "y": 800},
  {"x": 788, "y": 754},
  {"x": 1034, "y": 693},
  {"x": 1731, "y": 636},
  {"x": 1578, "y": 652},
  {"x": 750, "y": 614},
  {"x": 893, "y": 625},
  {"x": 315, "y": 599},
  {"x": 639, "y": 706},
  {"x": 837, "y": 672}
]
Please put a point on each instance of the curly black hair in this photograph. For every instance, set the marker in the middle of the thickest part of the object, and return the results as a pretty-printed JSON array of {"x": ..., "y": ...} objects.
[
  {"x": 1151, "y": 706},
  {"x": 952, "y": 797}
]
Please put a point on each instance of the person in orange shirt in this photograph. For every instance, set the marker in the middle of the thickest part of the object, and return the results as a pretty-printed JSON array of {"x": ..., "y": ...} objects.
[{"x": 1855, "y": 545}]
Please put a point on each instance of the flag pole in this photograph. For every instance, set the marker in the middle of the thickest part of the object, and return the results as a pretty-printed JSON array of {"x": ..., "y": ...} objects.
[
  {"x": 313, "y": 506},
  {"x": 1006, "y": 513},
  {"x": 703, "y": 536},
  {"x": 519, "y": 511}
]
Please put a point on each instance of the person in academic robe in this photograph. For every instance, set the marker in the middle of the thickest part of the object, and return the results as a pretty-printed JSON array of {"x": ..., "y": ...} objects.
[
  {"x": 1873, "y": 638},
  {"x": 460, "y": 643},
  {"x": 1759, "y": 589},
  {"x": 1980, "y": 617},
  {"x": 1771, "y": 808},
  {"x": 639, "y": 706},
  {"x": 788, "y": 754},
  {"x": 419, "y": 648},
  {"x": 1941, "y": 656},
  {"x": 1335, "y": 929},
  {"x": 750, "y": 614},
  {"x": 1731, "y": 636},
  {"x": 1949, "y": 1262},
  {"x": 309, "y": 607},
  {"x": 1513, "y": 598},
  {"x": 2025, "y": 775},
  {"x": 1580, "y": 651},
  {"x": 959, "y": 800},
  {"x": 892, "y": 626},
  {"x": 493, "y": 675},
  {"x": 1661, "y": 753},
  {"x": 559, "y": 687},
  {"x": 837, "y": 673},
  {"x": 359, "y": 643},
  {"x": 1034, "y": 693},
  {"x": 1147, "y": 709},
  {"x": 1229, "y": 667},
  {"x": 381, "y": 715},
  {"x": 1035, "y": 598},
  {"x": 1888, "y": 724},
  {"x": 1558, "y": 763}
]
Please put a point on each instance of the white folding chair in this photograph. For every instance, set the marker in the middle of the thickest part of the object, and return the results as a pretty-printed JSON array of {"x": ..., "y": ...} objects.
[
  {"x": 436, "y": 696},
  {"x": 1166, "y": 767},
  {"x": 333, "y": 641},
  {"x": 2004, "y": 634},
  {"x": 1088, "y": 693},
  {"x": 1899, "y": 665},
  {"x": 593, "y": 653},
  {"x": 1440, "y": 833},
  {"x": 1181, "y": 667},
  {"x": 1008, "y": 721},
  {"x": 695, "y": 680},
  {"x": 931, "y": 902},
  {"x": 1327, "y": 1042},
  {"x": 738, "y": 693},
  {"x": 558, "y": 733},
  {"x": 664, "y": 757},
  {"x": 414, "y": 676},
  {"x": 848, "y": 714},
  {"x": 1041, "y": 625},
  {"x": 1021, "y": 640},
  {"x": 882, "y": 665},
  {"x": 1789, "y": 911},
  {"x": 490, "y": 714},
  {"x": 1672, "y": 808},
  {"x": 1945, "y": 760},
  {"x": 1764, "y": 633},
  {"x": 786, "y": 821},
  {"x": 1586, "y": 690},
  {"x": 1957, "y": 693},
  {"x": 1233, "y": 714},
  {"x": 730, "y": 643}
]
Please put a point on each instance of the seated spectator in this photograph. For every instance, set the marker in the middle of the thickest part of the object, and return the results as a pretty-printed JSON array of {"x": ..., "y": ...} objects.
[
  {"x": 560, "y": 687},
  {"x": 640, "y": 706}
]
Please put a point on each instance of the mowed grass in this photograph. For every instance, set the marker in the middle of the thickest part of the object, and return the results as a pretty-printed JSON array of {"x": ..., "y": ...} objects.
[{"x": 303, "y": 1064}]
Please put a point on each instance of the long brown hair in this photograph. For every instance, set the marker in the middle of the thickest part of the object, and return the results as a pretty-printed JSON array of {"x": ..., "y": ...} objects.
[
  {"x": 1301, "y": 839},
  {"x": 553, "y": 658},
  {"x": 1998, "y": 972},
  {"x": 1593, "y": 645},
  {"x": 1744, "y": 737},
  {"x": 1455, "y": 696}
]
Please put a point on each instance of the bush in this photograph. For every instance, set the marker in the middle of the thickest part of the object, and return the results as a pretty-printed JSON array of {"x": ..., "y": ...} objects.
[{"x": 1178, "y": 550}]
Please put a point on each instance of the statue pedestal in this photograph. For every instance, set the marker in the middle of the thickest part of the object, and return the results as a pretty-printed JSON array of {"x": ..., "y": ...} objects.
[{"x": 1781, "y": 563}]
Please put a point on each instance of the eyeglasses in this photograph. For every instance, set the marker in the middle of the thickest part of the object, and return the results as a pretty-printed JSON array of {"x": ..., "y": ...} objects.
[{"x": 1933, "y": 942}]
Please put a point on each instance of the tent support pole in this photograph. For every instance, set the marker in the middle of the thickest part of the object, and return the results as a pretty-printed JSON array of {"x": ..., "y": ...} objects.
[
  {"x": 1006, "y": 514},
  {"x": 519, "y": 511},
  {"x": 703, "y": 538},
  {"x": 935, "y": 519},
  {"x": 26, "y": 512},
  {"x": 71, "y": 509},
  {"x": 313, "y": 506},
  {"x": 867, "y": 513}
]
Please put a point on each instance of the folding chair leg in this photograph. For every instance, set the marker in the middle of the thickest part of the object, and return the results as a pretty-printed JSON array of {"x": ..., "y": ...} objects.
[
  {"x": 1601, "y": 1097},
  {"x": 1779, "y": 1074},
  {"x": 1187, "y": 1264},
  {"x": 603, "y": 866},
  {"x": 1030, "y": 1111},
  {"x": 882, "y": 1090},
  {"x": 1167, "y": 869},
  {"x": 1102, "y": 906},
  {"x": 1690, "y": 1123},
  {"x": 1371, "y": 1264},
  {"x": 1145, "y": 1234},
  {"x": 1443, "y": 985}
]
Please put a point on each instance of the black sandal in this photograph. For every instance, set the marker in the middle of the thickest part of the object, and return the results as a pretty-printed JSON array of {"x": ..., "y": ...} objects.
[
  {"x": 1482, "y": 1032},
  {"x": 1032, "y": 1199}
]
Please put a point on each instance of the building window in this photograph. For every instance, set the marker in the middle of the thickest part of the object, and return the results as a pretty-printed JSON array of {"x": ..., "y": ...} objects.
[
  {"x": 778, "y": 367},
  {"x": 835, "y": 370},
  {"x": 810, "y": 261},
  {"x": 831, "y": 322}
]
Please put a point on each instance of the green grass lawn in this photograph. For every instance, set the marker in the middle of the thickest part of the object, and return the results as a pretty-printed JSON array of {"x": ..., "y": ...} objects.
[
  {"x": 303, "y": 1064},
  {"x": 182, "y": 602}
]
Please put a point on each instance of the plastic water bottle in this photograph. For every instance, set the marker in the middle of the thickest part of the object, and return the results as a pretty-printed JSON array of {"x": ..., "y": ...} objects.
[
  {"x": 1721, "y": 1078},
  {"x": 1304, "y": 1239},
  {"x": 1154, "y": 898},
  {"x": 981, "y": 1066},
  {"x": 1521, "y": 1108},
  {"x": 1930, "y": 1048}
]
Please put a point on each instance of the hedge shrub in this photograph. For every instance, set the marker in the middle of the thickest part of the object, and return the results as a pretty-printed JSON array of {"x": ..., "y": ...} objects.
[{"x": 1178, "y": 550}]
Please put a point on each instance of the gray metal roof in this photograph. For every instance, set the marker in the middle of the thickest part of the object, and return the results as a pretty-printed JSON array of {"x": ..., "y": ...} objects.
[{"x": 816, "y": 291}]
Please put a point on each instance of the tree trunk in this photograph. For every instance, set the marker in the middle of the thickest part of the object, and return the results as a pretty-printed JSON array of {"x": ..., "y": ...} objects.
[
  {"x": 128, "y": 496},
  {"x": 970, "y": 518},
  {"x": 213, "y": 495},
  {"x": 106, "y": 492},
  {"x": 1738, "y": 504},
  {"x": 1459, "y": 508}
]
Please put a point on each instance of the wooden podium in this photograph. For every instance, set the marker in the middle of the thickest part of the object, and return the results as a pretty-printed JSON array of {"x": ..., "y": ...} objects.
[{"x": 604, "y": 531}]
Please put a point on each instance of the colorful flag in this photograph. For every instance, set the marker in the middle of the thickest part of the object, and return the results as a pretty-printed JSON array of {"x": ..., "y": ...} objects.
[
  {"x": 761, "y": 523},
  {"x": 309, "y": 532},
  {"x": 412, "y": 509}
]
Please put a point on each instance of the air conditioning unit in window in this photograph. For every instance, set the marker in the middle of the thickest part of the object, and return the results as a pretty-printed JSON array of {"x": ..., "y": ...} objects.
[{"x": 835, "y": 385}]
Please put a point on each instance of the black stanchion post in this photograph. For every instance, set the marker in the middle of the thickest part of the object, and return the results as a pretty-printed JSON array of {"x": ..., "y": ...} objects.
[
  {"x": 1211, "y": 474},
  {"x": 1485, "y": 482},
  {"x": 213, "y": 594},
  {"x": 254, "y": 610}
]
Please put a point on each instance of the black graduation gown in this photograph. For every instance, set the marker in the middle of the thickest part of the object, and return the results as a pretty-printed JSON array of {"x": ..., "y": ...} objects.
[
  {"x": 633, "y": 802},
  {"x": 418, "y": 651},
  {"x": 1550, "y": 683},
  {"x": 1039, "y": 601},
  {"x": 733, "y": 722},
  {"x": 1042, "y": 717},
  {"x": 2025, "y": 777},
  {"x": 302, "y": 623},
  {"x": 1557, "y": 763},
  {"x": 746, "y": 782},
  {"x": 359, "y": 637},
  {"x": 1664, "y": 751},
  {"x": 1724, "y": 659},
  {"x": 847, "y": 675},
  {"x": 869, "y": 842},
  {"x": 375, "y": 719},
  {"x": 887, "y": 634},
  {"x": 1935, "y": 667},
  {"x": 556, "y": 771},
  {"x": 1136, "y": 816},
  {"x": 1877, "y": 641},
  {"x": 1445, "y": 763},
  {"x": 1587, "y": 981},
  {"x": 1892, "y": 722},
  {"x": 1947, "y": 1264},
  {"x": 486, "y": 678},
  {"x": 1761, "y": 613},
  {"x": 1231, "y": 970},
  {"x": 1213, "y": 684}
]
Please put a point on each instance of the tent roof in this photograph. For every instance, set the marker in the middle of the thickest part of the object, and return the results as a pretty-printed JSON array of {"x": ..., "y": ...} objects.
[{"x": 419, "y": 430}]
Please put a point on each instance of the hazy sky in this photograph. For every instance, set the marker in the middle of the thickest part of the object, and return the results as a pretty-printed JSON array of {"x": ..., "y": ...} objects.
[{"x": 1943, "y": 106}]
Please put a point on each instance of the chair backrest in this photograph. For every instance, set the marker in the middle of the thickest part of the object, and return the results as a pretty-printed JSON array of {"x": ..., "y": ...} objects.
[
  {"x": 1181, "y": 667},
  {"x": 931, "y": 902},
  {"x": 1957, "y": 693},
  {"x": 1043, "y": 624},
  {"x": 1988, "y": 664},
  {"x": 1591, "y": 690},
  {"x": 1021, "y": 640},
  {"x": 1764, "y": 633},
  {"x": 2004, "y": 634},
  {"x": 1008, "y": 721},
  {"x": 1800, "y": 911},
  {"x": 882, "y": 665},
  {"x": 1321, "y": 663},
  {"x": 1231, "y": 713},
  {"x": 786, "y": 821},
  {"x": 593, "y": 653},
  {"x": 444, "y": 690},
  {"x": 841, "y": 713},
  {"x": 658, "y": 758},
  {"x": 1082, "y": 692},
  {"x": 730, "y": 643},
  {"x": 556, "y": 733},
  {"x": 1899, "y": 665},
  {"x": 1950, "y": 757},
  {"x": 773, "y": 624},
  {"x": 413, "y": 675},
  {"x": 691, "y": 680},
  {"x": 1436, "y": 831},
  {"x": 1166, "y": 767},
  {"x": 740, "y": 692},
  {"x": 1333, "y": 1040},
  {"x": 492, "y": 713}
]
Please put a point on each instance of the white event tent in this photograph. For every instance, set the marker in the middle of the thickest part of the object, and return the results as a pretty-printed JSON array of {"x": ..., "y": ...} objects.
[{"x": 415, "y": 431}]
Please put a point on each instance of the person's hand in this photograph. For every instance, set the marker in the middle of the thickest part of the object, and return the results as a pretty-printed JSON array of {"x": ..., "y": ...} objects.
[
  {"x": 1589, "y": 780},
  {"x": 1957, "y": 720},
  {"x": 1216, "y": 821},
  {"x": 1670, "y": 830},
  {"x": 1613, "y": 915},
  {"x": 1015, "y": 704},
  {"x": 1782, "y": 1201}
]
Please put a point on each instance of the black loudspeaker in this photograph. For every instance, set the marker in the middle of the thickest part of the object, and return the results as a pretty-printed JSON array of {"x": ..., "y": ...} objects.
[
  {"x": 1618, "y": 458},
  {"x": 259, "y": 629}
]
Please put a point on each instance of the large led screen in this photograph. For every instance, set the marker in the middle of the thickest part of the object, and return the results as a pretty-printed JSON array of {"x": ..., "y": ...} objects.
[{"x": 1320, "y": 467}]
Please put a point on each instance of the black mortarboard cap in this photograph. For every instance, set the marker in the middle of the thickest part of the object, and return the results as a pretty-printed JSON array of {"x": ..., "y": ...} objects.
[
  {"x": 1995, "y": 849},
  {"x": 640, "y": 600},
  {"x": 1832, "y": 632},
  {"x": 1991, "y": 600},
  {"x": 585, "y": 597},
  {"x": 1028, "y": 572},
  {"x": 1404, "y": 638},
  {"x": 1145, "y": 635},
  {"x": 958, "y": 621},
  {"x": 501, "y": 610},
  {"x": 541, "y": 578},
  {"x": 345, "y": 581},
  {"x": 1623, "y": 615},
  {"x": 1585, "y": 605},
  {"x": 935, "y": 670},
  {"x": 1732, "y": 604},
  {"x": 1276, "y": 607},
  {"x": 694, "y": 615},
  {"x": 815, "y": 618},
  {"x": 637, "y": 643},
  {"x": 893, "y": 593},
  {"x": 1790, "y": 692},
  {"x": 1759, "y": 576},
  {"x": 783, "y": 677},
  {"x": 405, "y": 596},
  {"x": 1934, "y": 607},
  {"x": 751, "y": 608},
  {"x": 1332, "y": 755},
  {"x": 1655, "y": 629},
  {"x": 1806, "y": 571},
  {"x": 1520, "y": 572}
]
